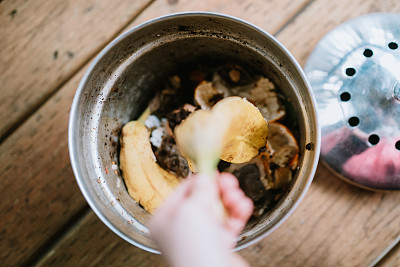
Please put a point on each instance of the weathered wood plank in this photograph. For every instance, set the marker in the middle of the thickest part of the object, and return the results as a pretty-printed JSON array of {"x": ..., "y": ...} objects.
[
  {"x": 268, "y": 15},
  {"x": 39, "y": 193},
  {"x": 44, "y": 42},
  {"x": 336, "y": 225},
  {"x": 109, "y": 251},
  {"x": 305, "y": 31}
]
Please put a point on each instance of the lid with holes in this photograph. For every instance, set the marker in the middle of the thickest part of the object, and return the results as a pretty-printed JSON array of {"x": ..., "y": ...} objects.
[{"x": 355, "y": 74}]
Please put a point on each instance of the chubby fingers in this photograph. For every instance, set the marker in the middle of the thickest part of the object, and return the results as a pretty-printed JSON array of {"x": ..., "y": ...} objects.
[{"x": 238, "y": 206}]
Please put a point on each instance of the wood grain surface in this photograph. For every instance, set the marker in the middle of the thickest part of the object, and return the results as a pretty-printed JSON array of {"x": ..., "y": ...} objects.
[
  {"x": 344, "y": 228},
  {"x": 261, "y": 13},
  {"x": 44, "y": 43},
  {"x": 91, "y": 243},
  {"x": 305, "y": 30},
  {"x": 39, "y": 194},
  {"x": 335, "y": 225}
]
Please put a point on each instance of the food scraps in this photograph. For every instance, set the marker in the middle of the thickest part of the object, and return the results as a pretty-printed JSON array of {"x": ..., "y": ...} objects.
[{"x": 245, "y": 120}]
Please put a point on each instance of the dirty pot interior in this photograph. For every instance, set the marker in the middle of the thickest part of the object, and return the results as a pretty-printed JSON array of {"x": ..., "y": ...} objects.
[{"x": 124, "y": 77}]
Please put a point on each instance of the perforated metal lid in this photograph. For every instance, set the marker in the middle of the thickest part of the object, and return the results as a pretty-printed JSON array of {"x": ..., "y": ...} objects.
[{"x": 355, "y": 75}]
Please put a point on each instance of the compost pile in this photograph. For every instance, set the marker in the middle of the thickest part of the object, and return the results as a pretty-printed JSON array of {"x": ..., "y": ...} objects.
[{"x": 152, "y": 164}]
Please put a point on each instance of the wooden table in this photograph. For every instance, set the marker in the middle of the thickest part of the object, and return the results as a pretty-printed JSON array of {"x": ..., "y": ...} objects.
[{"x": 45, "y": 48}]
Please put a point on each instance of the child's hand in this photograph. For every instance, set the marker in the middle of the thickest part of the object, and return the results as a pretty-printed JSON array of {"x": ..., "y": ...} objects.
[{"x": 190, "y": 231}]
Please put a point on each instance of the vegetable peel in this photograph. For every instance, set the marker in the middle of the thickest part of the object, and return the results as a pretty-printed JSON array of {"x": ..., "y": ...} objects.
[
  {"x": 233, "y": 130},
  {"x": 147, "y": 182}
]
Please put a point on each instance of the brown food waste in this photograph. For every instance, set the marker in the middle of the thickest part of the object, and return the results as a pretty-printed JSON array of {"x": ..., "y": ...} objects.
[{"x": 264, "y": 179}]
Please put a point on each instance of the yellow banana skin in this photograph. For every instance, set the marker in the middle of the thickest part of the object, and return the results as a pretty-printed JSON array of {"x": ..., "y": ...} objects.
[{"x": 147, "y": 182}]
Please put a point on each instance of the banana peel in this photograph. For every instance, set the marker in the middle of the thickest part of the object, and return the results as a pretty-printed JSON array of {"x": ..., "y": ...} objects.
[{"x": 147, "y": 182}]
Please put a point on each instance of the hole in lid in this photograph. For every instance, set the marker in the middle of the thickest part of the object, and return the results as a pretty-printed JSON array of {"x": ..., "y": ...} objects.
[
  {"x": 397, "y": 145},
  {"x": 393, "y": 45},
  {"x": 350, "y": 71},
  {"x": 368, "y": 53},
  {"x": 354, "y": 121},
  {"x": 345, "y": 96},
  {"x": 373, "y": 139}
]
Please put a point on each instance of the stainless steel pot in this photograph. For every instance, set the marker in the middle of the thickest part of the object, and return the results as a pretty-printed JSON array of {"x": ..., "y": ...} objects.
[{"x": 123, "y": 78}]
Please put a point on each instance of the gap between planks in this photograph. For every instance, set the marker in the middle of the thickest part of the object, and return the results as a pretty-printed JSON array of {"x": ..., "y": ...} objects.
[
  {"x": 69, "y": 226},
  {"x": 291, "y": 20},
  {"x": 391, "y": 251}
]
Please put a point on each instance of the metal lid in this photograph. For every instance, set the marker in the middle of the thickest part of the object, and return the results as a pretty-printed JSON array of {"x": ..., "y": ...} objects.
[{"x": 355, "y": 74}]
